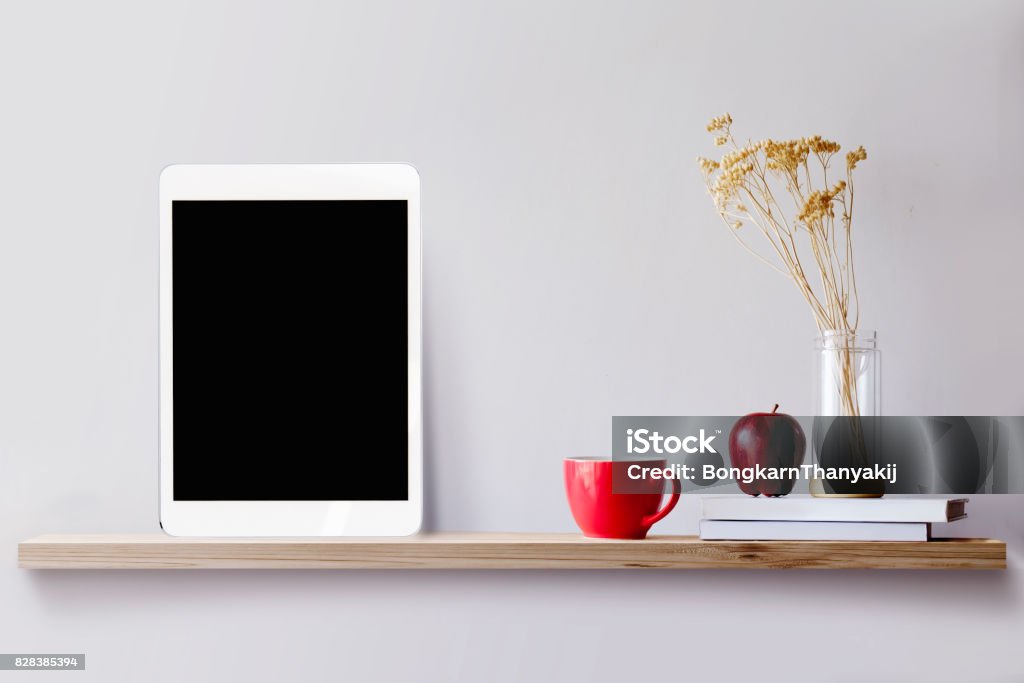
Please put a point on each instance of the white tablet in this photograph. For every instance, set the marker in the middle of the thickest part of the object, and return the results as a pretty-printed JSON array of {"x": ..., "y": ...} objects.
[{"x": 290, "y": 350}]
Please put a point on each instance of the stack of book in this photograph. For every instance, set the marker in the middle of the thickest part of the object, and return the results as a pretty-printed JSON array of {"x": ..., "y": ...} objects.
[{"x": 803, "y": 518}]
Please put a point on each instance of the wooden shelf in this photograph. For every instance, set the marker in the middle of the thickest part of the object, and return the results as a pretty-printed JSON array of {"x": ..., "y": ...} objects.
[{"x": 497, "y": 551}]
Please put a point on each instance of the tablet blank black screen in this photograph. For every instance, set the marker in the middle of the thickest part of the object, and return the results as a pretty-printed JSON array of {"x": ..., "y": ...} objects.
[{"x": 290, "y": 350}]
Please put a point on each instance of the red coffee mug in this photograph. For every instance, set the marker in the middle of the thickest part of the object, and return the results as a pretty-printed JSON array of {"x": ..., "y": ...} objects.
[{"x": 603, "y": 514}]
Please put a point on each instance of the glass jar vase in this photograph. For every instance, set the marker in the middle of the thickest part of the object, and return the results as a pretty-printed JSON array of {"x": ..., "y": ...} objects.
[{"x": 847, "y": 403}]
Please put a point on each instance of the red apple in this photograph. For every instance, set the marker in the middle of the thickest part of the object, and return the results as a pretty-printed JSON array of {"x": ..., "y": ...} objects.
[{"x": 769, "y": 440}]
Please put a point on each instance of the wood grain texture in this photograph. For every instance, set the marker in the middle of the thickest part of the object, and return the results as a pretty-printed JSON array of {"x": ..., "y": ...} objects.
[{"x": 497, "y": 551}]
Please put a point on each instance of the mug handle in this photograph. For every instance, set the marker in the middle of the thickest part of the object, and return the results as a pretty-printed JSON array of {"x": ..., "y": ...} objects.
[{"x": 651, "y": 520}]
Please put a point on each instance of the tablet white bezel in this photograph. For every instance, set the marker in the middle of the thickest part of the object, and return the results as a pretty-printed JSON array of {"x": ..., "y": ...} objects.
[{"x": 290, "y": 518}]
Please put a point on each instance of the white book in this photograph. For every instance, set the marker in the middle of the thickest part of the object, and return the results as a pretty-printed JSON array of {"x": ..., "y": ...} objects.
[
  {"x": 810, "y": 509},
  {"x": 731, "y": 530}
]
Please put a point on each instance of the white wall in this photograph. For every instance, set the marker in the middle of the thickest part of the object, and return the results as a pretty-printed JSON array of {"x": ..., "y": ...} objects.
[{"x": 574, "y": 270}]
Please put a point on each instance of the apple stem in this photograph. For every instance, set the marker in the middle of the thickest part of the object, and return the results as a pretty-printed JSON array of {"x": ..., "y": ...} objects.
[{"x": 775, "y": 408}]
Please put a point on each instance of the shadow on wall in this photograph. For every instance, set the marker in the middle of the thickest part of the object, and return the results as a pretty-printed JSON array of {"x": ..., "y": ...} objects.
[{"x": 140, "y": 591}]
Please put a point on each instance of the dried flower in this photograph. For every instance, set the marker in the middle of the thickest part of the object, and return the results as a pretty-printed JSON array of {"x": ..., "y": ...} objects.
[
  {"x": 853, "y": 157},
  {"x": 707, "y": 165},
  {"x": 818, "y": 204},
  {"x": 820, "y": 145},
  {"x": 750, "y": 183},
  {"x": 787, "y": 156},
  {"x": 719, "y": 123}
]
